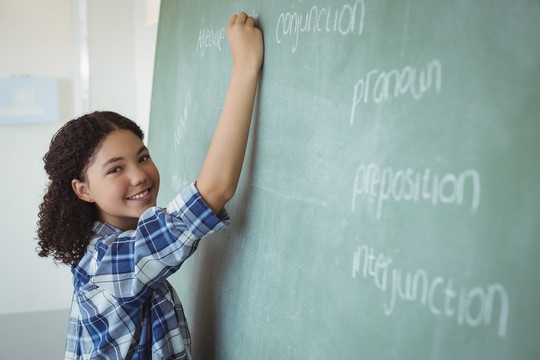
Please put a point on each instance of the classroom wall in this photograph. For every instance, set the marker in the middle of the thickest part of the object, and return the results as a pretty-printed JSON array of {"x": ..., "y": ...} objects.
[{"x": 39, "y": 38}]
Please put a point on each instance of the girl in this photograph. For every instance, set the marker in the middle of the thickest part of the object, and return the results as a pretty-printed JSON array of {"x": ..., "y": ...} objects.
[{"x": 99, "y": 216}]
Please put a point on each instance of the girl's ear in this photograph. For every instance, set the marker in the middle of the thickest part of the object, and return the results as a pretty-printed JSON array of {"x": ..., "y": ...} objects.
[{"x": 81, "y": 190}]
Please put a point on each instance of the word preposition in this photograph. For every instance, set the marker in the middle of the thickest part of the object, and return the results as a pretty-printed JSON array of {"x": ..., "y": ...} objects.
[{"x": 410, "y": 185}]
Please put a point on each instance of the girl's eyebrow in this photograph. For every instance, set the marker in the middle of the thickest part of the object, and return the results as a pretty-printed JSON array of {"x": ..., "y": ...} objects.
[{"x": 115, "y": 159}]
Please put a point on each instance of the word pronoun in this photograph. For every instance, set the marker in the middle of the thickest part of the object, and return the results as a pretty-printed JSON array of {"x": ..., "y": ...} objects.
[{"x": 380, "y": 86}]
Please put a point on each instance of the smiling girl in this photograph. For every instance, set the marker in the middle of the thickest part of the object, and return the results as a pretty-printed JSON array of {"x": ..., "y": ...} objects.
[{"x": 99, "y": 216}]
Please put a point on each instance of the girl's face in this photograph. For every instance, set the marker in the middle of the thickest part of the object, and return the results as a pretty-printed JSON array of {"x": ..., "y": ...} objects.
[{"x": 123, "y": 180}]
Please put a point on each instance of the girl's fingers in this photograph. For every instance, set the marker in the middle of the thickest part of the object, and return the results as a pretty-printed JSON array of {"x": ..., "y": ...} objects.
[
  {"x": 241, "y": 19},
  {"x": 233, "y": 20}
]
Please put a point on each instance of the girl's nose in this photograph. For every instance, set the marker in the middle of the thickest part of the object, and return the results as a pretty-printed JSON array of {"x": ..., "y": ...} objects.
[{"x": 138, "y": 176}]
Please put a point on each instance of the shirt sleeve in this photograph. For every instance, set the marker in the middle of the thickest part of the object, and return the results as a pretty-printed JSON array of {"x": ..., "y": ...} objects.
[{"x": 139, "y": 261}]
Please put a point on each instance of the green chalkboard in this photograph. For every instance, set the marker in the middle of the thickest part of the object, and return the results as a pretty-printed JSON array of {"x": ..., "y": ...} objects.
[{"x": 389, "y": 206}]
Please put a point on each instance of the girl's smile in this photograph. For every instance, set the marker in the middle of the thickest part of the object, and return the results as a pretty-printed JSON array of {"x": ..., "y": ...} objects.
[
  {"x": 143, "y": 195},
  {"x": 122, "y": 180}
]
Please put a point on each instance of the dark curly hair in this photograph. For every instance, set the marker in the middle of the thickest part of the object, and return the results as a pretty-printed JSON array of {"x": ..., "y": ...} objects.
[{"x": 65, "y": 222}]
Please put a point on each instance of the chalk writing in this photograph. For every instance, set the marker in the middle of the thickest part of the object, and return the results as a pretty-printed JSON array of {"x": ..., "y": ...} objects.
[
  {"x": 410, "y": 185},
  {"x": 181, "y": 122},
  {"x": 471, "y": 307},
  {"x": 344, "y": 20},
  {"x": 381, "y": 86},
  {"x": 178, "y": 182},
  {"x": 210, "y": 39}
]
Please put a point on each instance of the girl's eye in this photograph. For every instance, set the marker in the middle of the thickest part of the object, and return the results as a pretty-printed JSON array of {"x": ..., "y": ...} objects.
[
  {"x": 115, "y": 170},
  {"x": 144, "y": 158}
]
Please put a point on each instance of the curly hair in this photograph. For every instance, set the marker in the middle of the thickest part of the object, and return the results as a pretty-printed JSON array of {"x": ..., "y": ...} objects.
[{"x": 66, "y": 222}]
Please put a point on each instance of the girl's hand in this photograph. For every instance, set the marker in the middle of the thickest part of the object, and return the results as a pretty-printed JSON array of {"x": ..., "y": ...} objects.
[
  {"x": 220, "y": 173},
  {"x": 246, "y": 42}
]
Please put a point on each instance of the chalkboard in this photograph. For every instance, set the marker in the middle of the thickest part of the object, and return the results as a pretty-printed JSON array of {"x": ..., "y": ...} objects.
[{"x": 389, "y": 202}]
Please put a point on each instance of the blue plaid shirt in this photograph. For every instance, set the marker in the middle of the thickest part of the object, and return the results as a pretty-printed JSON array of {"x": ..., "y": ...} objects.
[{"x": 123, "y": 307}]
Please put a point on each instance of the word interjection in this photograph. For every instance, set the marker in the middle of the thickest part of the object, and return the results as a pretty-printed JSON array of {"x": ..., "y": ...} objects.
[{"x": 471, "y": 307}]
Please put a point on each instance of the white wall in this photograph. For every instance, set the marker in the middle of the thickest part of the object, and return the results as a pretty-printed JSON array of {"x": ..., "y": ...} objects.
[
  {"x": 41, "y": 38},
  {"x": 146, "y": 26},
  {"x": 38, "y": 38},
  {"x": 112, "y": 51},
  {"x": 35, "y": 40}
]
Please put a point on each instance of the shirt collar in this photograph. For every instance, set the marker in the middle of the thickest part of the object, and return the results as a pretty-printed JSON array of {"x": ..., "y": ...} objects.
[{"x": 102, "y": 229}]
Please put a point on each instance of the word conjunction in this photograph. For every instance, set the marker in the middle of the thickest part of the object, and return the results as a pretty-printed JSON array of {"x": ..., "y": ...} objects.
[{"x": 344, "y": 20}]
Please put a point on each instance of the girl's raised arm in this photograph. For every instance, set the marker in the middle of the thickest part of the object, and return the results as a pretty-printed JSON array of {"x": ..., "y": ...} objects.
[{"x": 221, "y": 169}]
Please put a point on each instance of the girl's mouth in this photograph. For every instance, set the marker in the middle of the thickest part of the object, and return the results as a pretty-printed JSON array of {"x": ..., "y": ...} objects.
[{"x": 139, "y": 195}]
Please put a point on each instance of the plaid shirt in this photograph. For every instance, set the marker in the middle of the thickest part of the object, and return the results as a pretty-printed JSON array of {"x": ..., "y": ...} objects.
[{"x": 123, "y": 307}]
